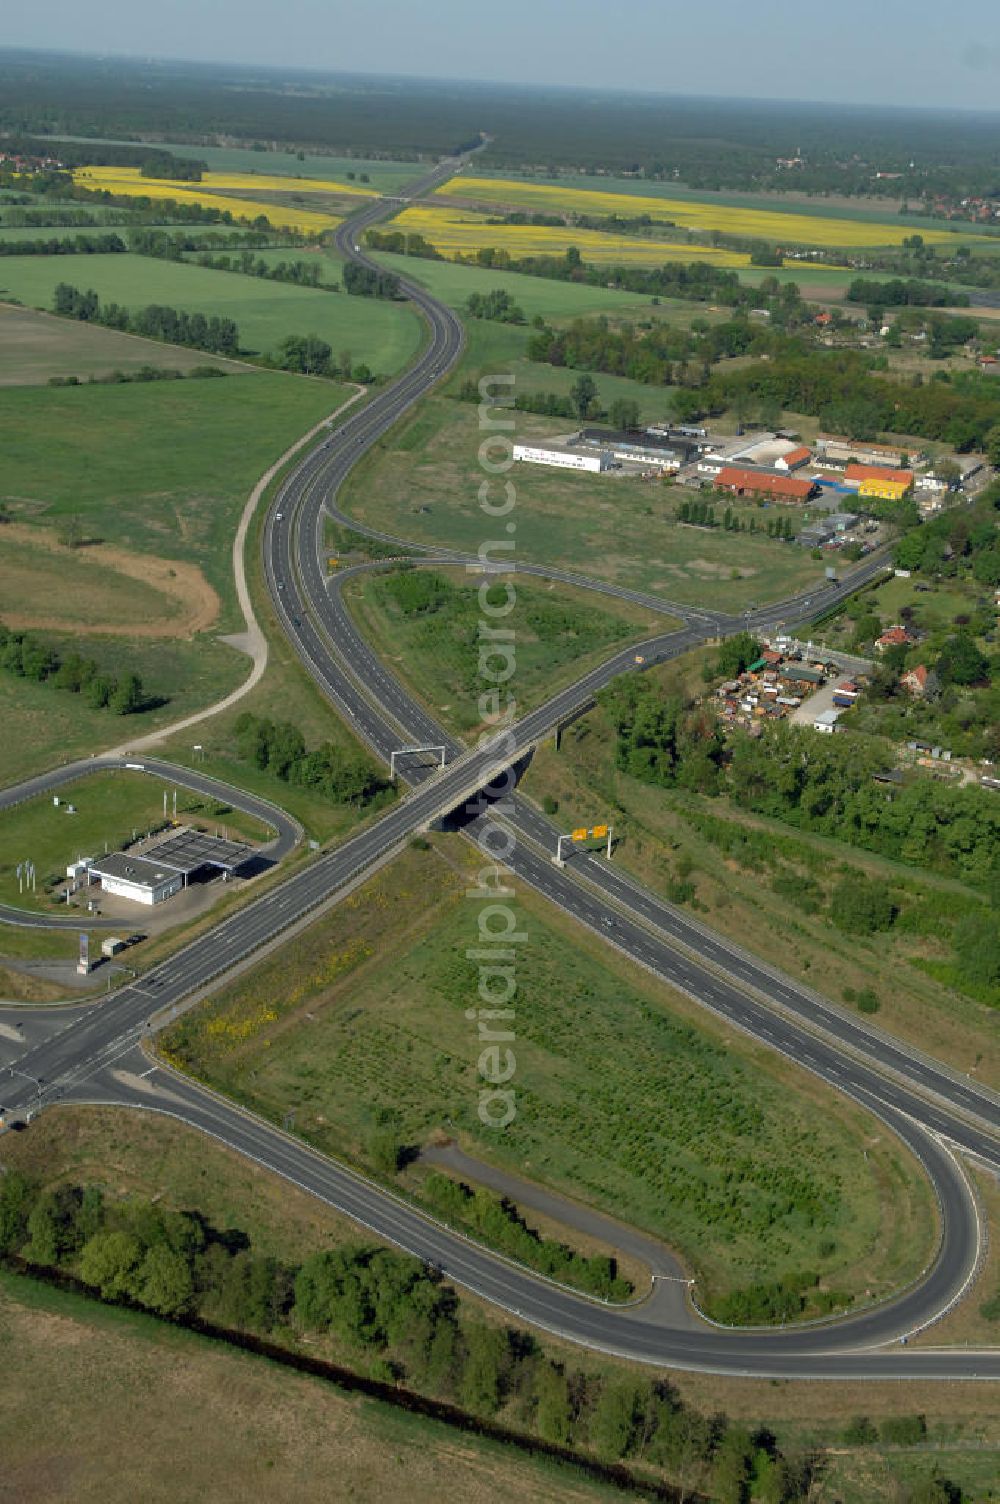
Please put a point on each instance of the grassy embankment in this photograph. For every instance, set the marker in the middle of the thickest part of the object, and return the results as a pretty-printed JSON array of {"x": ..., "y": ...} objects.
[
  {"x": 422, "y": 483},
  {"x": 766, "y": 885},
  {"x": 628, "y": 1097},
  {"x": 425, "y": 626}
]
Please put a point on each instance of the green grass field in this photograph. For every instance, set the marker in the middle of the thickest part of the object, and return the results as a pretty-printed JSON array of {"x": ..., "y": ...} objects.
[
  {"x": 627, "y": 1097},
  {"x": 109, "y": 808},
  {"x": 384, "y": 335},
  {"x": 162, "y": 468},
  {"x": 46, "y": 726},
  {"x": 556, "y": 301},
  {"x": 34, "y": 347},
  {"x": 422, "y": 483},
  {"x": 560, "y": 633}
]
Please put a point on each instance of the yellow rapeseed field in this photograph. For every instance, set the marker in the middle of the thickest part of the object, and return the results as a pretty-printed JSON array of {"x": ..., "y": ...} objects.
[
  {"x": 759, "y": 224},
  {"x": 457, "y": 232},
  {"x": 210, "y": 193}
]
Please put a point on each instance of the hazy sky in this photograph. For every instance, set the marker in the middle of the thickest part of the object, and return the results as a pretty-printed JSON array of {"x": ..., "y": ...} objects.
[{"x": 861, "y": 51}]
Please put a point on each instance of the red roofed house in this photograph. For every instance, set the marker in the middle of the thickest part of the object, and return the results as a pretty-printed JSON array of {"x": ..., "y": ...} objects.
[
  {"x": 793, "y": 459},
  {"x": 914, "y": 681},
  {"x": 893, "y": 637},
  {"x": 744, "y": 482}
]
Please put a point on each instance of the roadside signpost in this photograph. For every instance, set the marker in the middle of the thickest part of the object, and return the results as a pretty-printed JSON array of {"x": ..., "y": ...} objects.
[{"x": 580, "y": 837}]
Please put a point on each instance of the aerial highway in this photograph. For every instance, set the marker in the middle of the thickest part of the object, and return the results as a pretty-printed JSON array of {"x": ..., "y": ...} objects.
[{"x": 93, "y": 1053}]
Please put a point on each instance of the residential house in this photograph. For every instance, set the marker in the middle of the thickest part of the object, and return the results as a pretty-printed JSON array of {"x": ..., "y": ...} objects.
[{"x": 893, "y": 637}]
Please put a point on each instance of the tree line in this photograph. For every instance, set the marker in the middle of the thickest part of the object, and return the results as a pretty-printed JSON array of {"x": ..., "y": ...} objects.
[
  {"x": 498, "y": 1222},
  {"x": 299, "y": 273},
  {"x": 68, "y": 245},
  {"x": 278, "y": 747},
  {"x": 219, "y": 336},
  {"x": 395, "y": 1317},
  {"x": 851, "y": 392},
  {"x": 653, "y": 354},
  {"x": 174, "y": 245},
  {"x": 140, "y": 374},
  {"x": 311, "y": 356},
  {"x": 27, "y": 657},
  {"x": 897, "y": 293},
  {"x": 701, "y": 513},
  {"x": 69, "y": 219},
  {"x": 402, "y": 244}
]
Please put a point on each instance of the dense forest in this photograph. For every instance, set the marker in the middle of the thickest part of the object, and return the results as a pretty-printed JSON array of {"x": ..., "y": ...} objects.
[{"x": 705, "y": 143}]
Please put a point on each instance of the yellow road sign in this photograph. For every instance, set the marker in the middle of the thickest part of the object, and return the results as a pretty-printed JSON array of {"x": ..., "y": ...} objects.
[
  {"x": 580, "y": 835},
  {"x": 599, "y": 832}
]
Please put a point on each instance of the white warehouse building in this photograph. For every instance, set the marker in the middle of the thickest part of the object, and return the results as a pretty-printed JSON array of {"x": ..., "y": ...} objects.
[
  {"x": 565, "y": 459},
  {"x": 136, "y": 878}
]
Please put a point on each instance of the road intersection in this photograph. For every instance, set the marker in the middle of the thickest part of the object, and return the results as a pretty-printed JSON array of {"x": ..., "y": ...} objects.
[{"x": 95, "y": 1052}]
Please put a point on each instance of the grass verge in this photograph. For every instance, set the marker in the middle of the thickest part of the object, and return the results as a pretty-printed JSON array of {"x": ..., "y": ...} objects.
[
  {"x": 628, "y": 1097},
  {"x": 425, "y": 624}
]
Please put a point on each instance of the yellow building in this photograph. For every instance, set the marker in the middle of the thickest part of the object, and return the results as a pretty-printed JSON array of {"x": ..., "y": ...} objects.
[{"x": 885, "y": 490}]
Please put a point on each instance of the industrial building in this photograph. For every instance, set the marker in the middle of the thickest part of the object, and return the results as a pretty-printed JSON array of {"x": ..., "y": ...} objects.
[
  {"x": 879, "y": 482},
  {"x": 563, "y": 459},
  {"x": 123, "y": 875},
  {"x": 739, "y": 481},
  {"x": 665, "y": 448},
  {"x": 155, "y": 874},
  {"x": 839, "y": 452}
]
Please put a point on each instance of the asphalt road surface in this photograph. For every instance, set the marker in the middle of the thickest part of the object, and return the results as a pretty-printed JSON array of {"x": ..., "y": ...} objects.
[{"x": 91, "y": 1053}]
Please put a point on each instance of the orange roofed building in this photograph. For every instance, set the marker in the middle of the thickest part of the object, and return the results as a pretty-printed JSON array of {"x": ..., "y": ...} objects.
[{"x": 745, "y": 482}]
